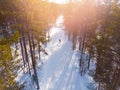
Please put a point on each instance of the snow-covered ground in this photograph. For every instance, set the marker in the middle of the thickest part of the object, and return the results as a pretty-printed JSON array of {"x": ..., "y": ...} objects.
[{"x": 60, "y": 69}]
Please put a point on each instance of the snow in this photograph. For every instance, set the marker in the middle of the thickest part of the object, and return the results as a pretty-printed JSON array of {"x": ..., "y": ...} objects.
[{"x": 60, "y": 69}]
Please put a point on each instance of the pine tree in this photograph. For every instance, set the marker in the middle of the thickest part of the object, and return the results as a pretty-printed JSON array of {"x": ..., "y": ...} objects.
[
  {"x": 8, "y": 65},
  {"x": 97, "y": 27}
]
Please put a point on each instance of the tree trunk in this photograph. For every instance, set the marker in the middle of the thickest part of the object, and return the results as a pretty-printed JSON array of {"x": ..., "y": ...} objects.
[
  {"x": 89, "y": 60},
  {"x": 22, "y": 51},
  {"x": 99, "y": 86},
  {"x": 80, "y": 42},
  {"x": 25, "y": 49},
  {"x": 33, "y": 59},
  {"x": 83, "y": 42},
  {"x": 39, "y": 46}
]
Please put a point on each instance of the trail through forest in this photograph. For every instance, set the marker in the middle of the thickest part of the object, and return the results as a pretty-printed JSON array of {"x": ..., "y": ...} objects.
[{"x": 60, "y": 69}]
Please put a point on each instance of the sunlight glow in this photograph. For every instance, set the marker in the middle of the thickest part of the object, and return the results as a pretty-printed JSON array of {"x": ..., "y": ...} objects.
[{"x": 59, "y": 1}]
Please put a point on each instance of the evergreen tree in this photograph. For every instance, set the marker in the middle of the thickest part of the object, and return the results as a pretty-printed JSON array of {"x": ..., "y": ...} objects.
[{"x": 8, "y": 64}]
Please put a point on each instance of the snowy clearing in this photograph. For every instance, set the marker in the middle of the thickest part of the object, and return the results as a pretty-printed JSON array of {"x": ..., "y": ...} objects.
[{"x": 60, "y": 68}]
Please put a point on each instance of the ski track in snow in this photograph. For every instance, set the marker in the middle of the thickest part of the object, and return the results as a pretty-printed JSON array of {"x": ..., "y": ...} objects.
[
  {"x": 59, "y": 65},
  {"x": 60, "y": 69}
]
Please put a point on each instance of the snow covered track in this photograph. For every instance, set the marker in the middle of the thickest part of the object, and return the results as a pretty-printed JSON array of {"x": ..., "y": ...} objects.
[{"x": 59, "y": 70}]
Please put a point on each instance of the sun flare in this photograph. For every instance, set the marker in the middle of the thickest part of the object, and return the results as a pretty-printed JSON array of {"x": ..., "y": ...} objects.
[{"x": 59, "y": 1}]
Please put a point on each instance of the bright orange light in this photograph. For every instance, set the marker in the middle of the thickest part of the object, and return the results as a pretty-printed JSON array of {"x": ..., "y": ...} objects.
[{"x": 59, "y": 1}]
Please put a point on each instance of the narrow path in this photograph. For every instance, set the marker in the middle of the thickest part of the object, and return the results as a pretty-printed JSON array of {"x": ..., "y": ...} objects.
[{"x": 59, "y": 71}]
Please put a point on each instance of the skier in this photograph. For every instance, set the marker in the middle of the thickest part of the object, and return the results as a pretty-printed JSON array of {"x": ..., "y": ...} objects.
[{"x": 59, "y": 40}]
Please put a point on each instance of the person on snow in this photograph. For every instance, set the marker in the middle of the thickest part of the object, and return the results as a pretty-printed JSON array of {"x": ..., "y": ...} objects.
[{"x": 59, "y": 40}]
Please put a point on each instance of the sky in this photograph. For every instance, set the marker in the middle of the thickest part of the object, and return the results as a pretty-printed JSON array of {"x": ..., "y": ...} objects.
[{"x": 59, "y": 1}]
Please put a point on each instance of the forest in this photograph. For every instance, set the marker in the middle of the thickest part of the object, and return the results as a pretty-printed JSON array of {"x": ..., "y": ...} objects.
[{"x": 50, "y": 46}]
